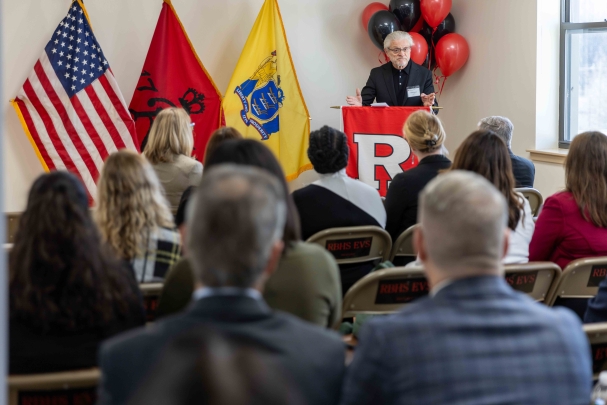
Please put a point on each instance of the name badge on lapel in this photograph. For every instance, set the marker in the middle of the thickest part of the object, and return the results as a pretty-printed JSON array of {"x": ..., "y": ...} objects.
[{"x": 413, "y": 91}]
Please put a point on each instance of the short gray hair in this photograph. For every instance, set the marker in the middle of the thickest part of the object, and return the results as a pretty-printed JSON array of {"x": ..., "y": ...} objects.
[
  {"x": 395, "y": 36},
  {"x": 463, "y": 219},
  {"x": 237, "y": 214},
  {"x": 502, "y": 126}
]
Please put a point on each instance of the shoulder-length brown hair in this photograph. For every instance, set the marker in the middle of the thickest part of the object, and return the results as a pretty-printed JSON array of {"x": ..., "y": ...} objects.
[
  {"x": 485, "y": 153},
  {"x": 61, "y": 276},
  {"x": 586, "y": 175},
  {"x": 218, "y": 137}
]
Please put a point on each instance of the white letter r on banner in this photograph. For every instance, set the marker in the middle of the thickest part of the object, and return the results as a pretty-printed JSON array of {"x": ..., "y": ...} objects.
[{"x": 368, "y": 161}]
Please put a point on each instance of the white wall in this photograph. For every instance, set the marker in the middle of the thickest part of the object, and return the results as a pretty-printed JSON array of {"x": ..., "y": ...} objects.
[
  {"x": 513, "y": 72},
  {"x": 331, "y": 52}
]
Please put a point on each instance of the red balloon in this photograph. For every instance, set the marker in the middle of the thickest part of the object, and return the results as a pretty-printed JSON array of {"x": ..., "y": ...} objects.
[
  {"x": 418, "y": 26},
  {"x": 435, "y": 11},
  {"x": 419, "y": 50},
  {"x": 369, "y": 11},
  {"x": 452, "y": 52}
]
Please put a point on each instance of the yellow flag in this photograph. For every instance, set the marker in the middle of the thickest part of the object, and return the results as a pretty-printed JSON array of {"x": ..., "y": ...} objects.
[{"x": 263, "y": 100}]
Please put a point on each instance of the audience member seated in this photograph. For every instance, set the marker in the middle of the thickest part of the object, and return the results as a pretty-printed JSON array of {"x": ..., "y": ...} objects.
[
  {"x": 208, "y": 368},
  {"x": 473, "y": 340},
  {"x": 169, "y": 150},
  {"x": 426, "y": 137},
  {"x": 523, "y": 169},
  {"x": 483, "y": 152},
  {"x": 306, "y": 282},
  {"x": 134, "y": 217},
  {"x": 67, "y": 292},
  {"x": 234, "y": 241},
  {"x": 335, "y": 200},
  {"x": 218, "y": 137},
  {"x": 573, "y": 223}
]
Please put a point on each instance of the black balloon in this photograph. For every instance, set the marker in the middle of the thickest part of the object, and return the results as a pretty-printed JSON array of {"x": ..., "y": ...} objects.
[
  {"x": 381, "y": 24},
  {"x": 408, "y": 12},
  {"x": 447, "y": 26}
]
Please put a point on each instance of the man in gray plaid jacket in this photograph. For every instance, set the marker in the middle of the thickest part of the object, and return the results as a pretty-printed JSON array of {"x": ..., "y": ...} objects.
[{"x": 473, "y": 340}]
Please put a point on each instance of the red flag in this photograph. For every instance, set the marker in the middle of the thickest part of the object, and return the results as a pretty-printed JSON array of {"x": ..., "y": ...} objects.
[
  {"x": 378, "y": 151},
  {"x": 173, "y": 76}
]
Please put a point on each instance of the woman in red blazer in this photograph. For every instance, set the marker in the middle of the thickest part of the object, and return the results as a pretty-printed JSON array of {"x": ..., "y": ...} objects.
[{"x": 573, "y": 223}]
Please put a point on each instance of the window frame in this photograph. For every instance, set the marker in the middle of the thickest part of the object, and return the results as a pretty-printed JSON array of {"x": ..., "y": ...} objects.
[{"x": 564, "y": 62}]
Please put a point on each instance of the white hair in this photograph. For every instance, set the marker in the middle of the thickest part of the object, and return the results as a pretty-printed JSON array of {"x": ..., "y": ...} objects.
[
  {"x": 502, "y": 126},
  {"x": 463, "y": 219},
  {"x": 395, "y": 36}
]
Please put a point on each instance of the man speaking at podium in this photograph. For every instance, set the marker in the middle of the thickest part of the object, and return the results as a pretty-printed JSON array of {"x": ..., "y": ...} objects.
[{"x": 399, "y": 83}]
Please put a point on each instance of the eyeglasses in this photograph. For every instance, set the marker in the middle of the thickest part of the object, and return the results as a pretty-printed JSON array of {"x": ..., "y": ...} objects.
[{"x": 396, "y": 51}]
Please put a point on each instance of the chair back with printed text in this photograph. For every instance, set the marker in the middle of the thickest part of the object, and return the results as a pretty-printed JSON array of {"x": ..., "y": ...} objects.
[
  {"x": 579, "y": 282},
  {"x": 355, "y": 244},
  {"x": 356, "y": 249},
  {"x": 385, "y": 291},
  {"x": 536, "y": 279}
]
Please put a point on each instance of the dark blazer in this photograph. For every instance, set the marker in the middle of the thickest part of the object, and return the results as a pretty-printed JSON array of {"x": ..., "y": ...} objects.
[
  {"x": 477, "y": 341},
  {"x": 401, "y": 200},
  {"x": 320, "y": 209},
  {"x": 380, "y": 85},
  {"x": 314, "y": 357},
  {"x": 524, "y": 171}
]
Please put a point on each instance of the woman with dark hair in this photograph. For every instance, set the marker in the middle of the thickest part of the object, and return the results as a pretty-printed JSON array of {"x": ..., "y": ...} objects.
[
  {"x": 67, "y": 291},
  {"x": 306, "y": 282},
  {"x": 573, "y": 223},
  {"x": 335, "y": 200},
  {"x": 485, "y": 153},
  {"x": 218, "y": 137}
]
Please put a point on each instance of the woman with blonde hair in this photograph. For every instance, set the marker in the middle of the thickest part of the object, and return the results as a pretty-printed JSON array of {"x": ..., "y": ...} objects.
[
  {"x": 426, "y": 137},
  {"x": 169, "y": 150},
  {"x": 134, "y": 218}
]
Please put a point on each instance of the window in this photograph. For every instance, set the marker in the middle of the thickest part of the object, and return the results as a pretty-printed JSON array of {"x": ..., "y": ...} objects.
[{"x": 583, "y": 70}]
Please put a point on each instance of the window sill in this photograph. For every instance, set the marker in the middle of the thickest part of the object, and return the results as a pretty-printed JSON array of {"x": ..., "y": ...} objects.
[{"x": 548, "y": 155}]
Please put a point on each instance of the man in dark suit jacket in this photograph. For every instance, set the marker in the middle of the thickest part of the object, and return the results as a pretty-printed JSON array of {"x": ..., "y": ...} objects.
[
  {"x": 234, "y": 244},
  {"x": 401, "y": 82},
  {"x": 473, "y": 340},
  {"x": 523, "y": 169}
]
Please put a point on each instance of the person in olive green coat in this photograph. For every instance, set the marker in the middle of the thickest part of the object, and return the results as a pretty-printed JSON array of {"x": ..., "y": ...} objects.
[{"x": 306, "y": 283}]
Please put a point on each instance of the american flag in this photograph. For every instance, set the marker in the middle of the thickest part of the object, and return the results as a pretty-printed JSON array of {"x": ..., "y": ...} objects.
[{"x": 70, "y": 105}]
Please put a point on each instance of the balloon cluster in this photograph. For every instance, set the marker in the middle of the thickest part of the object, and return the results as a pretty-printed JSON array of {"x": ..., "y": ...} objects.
[{"x": 431, "y": 25}]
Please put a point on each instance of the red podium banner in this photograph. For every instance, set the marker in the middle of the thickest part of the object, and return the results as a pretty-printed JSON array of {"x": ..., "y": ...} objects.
[{"x": 378, "y": 151}]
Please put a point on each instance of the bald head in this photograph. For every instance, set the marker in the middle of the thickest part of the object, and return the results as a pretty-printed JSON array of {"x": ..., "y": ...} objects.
[{"x": 463, "y": 222}]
